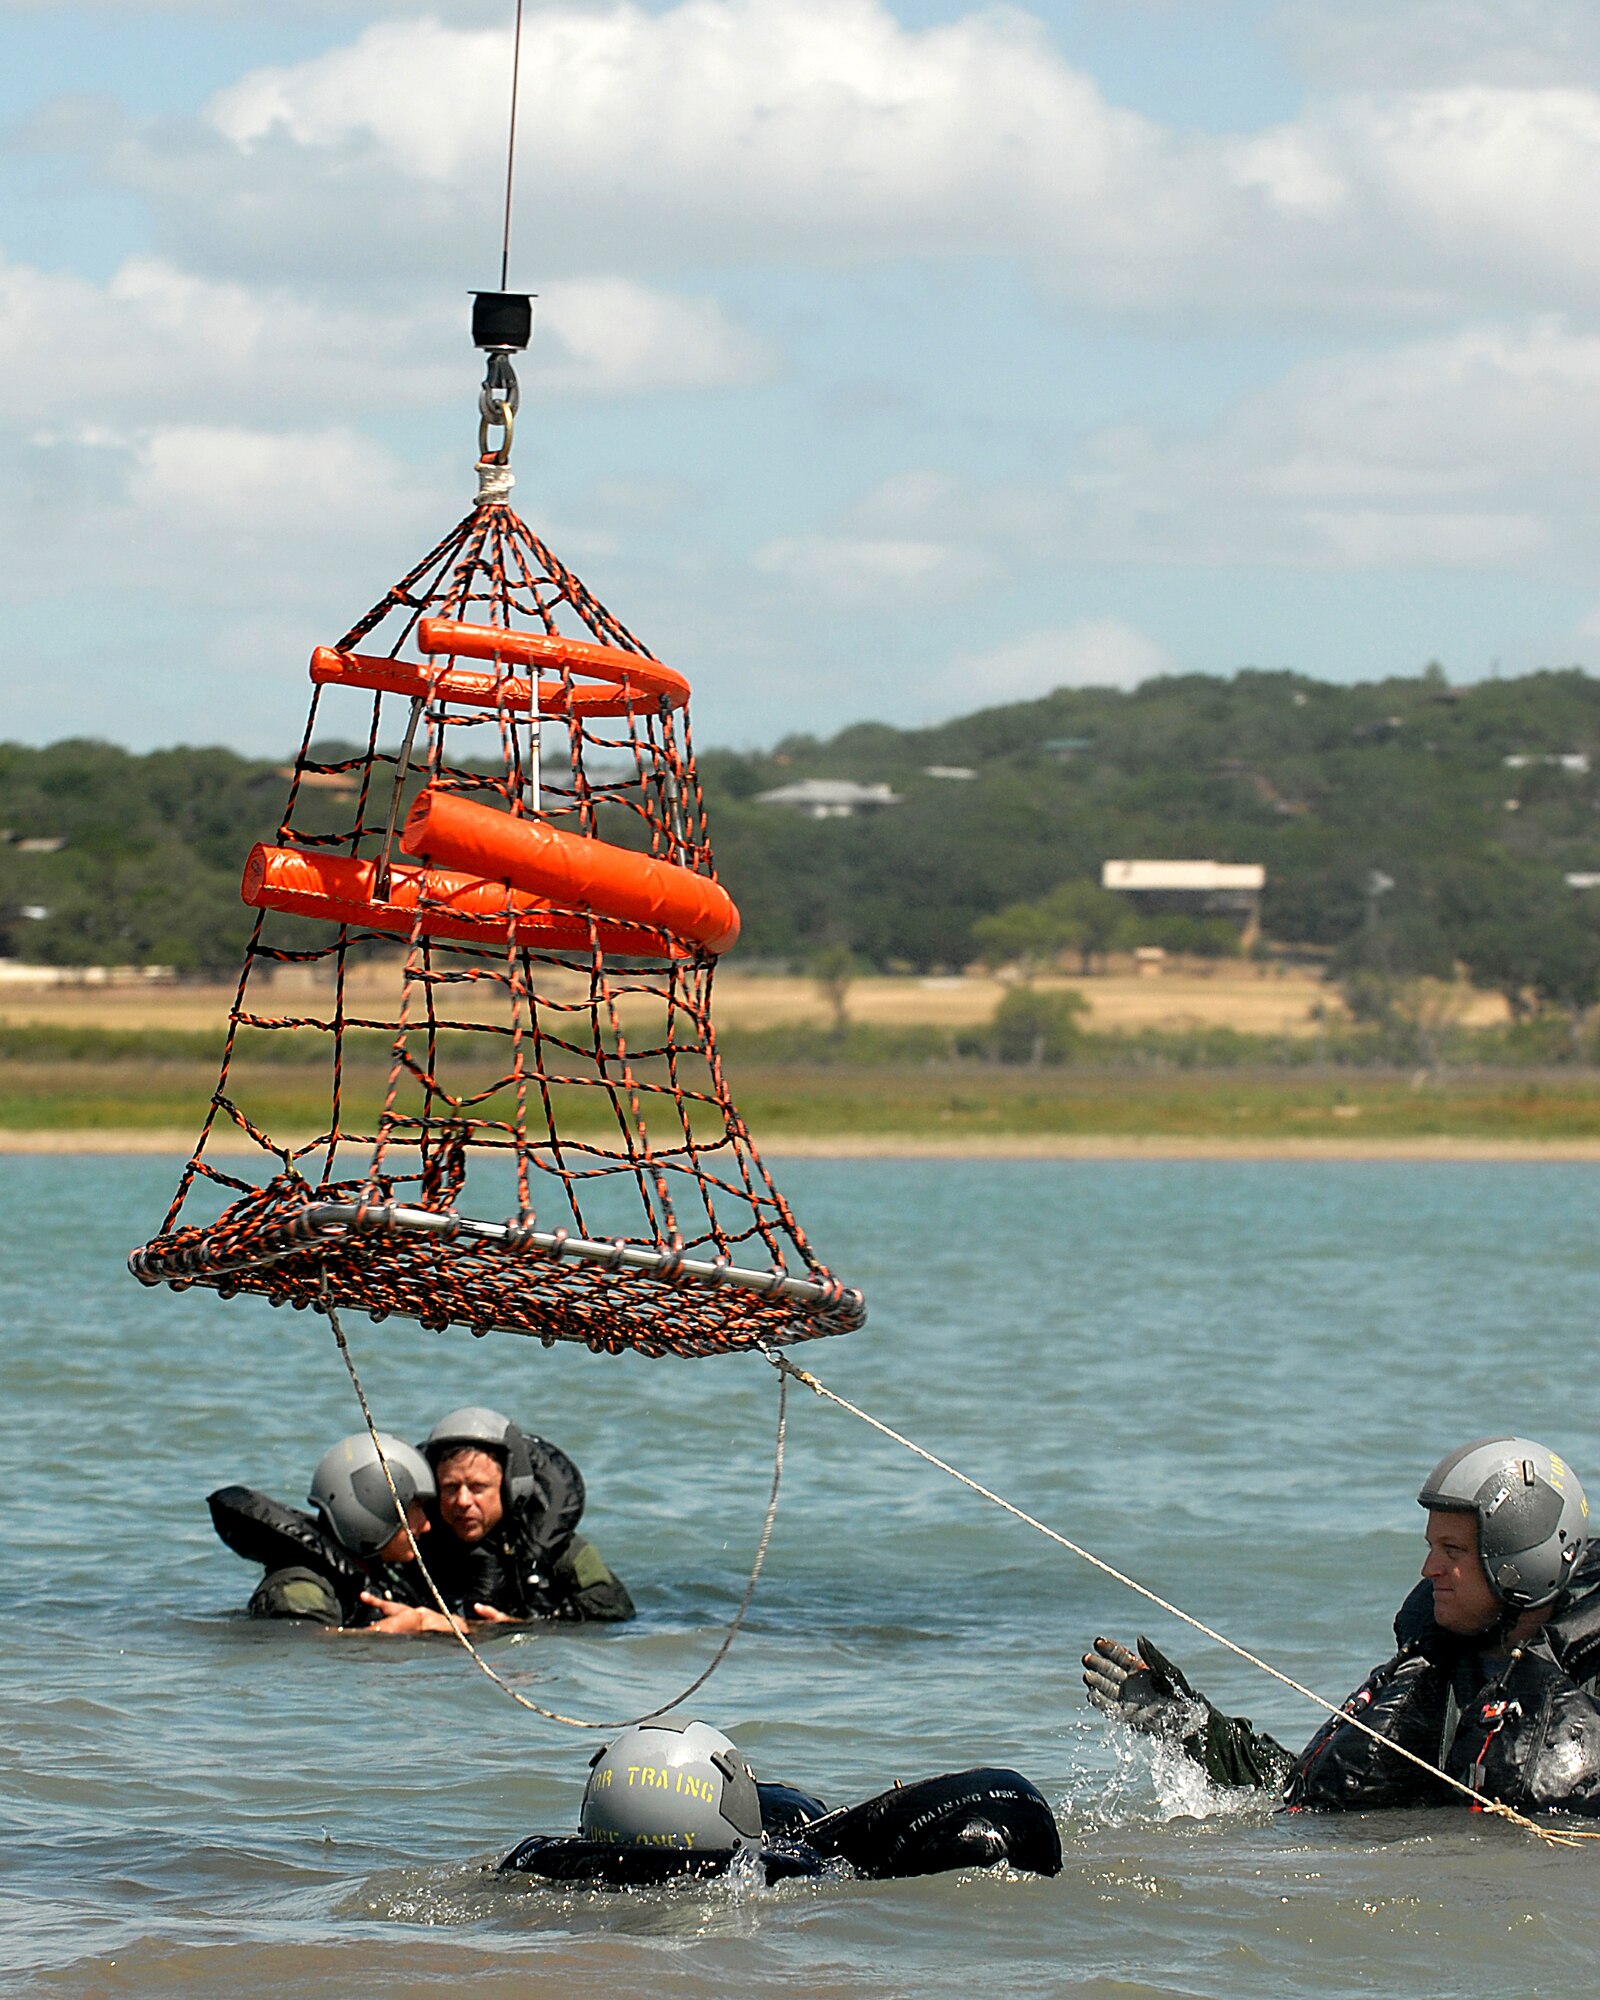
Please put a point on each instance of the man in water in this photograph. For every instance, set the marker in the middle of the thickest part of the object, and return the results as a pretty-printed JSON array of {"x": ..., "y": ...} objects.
[
  {"x": 1498, "y": 1648},
  {"x": 505, "y": 1547},
  {"x": 672, "y": 1798},
  {"x": 335, "y": 1565}
]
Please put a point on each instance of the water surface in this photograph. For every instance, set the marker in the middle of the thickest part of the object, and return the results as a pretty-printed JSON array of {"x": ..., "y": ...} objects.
[{"x": 1229, "y": 1378}]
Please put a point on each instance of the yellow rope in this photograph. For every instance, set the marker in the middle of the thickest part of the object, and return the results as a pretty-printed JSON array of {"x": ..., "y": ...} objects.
[
  {"x": 1565, "y": 1838},
  {"x": 552, "y": 1714}
]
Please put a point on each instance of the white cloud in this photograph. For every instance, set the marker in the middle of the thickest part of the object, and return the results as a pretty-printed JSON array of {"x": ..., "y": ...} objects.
[
  {"x": 1394, "y": 44},
  {"x": 1094, "y": 652},
  {"x": 169, "y": 346},
  {"x": 341, "y": 10},
  {"x": 1476, "y": 449},
  {"x": 1361, "y": 538},
  {"x": 176, "y": 581},
  {"x": 166, "y": 344},
  {"x": 615, "y": 338},
  {"x": 219, "y": 516},
  {"x": 862, "y": 569},
  {"x": 196, "y": 450},
  {"x": 825, "y": 131},
  {"x": 1481, "y": 446},
  {"x": 713, "y": 129},
  {"x": 292, "y": 510}
]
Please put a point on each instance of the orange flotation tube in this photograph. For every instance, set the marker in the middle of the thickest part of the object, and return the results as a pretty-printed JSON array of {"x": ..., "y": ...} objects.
[
  {"x": 569, "y": 870},
  {"x": 468, "y": 688},
  {"x": 341, "y": 889},
  {"x": 647, "y": 680}
]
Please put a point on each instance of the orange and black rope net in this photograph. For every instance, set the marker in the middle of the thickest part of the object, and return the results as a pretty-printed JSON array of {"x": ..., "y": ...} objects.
[{"x": 520, "y": 812}]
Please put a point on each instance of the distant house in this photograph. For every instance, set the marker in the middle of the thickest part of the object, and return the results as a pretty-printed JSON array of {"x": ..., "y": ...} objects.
[
  {"x": 947, "y": 771},
  {"x": 1065, "y": 748},
  {"x": 1583, "y": 881},
  {"x": 829, "y": 798},
  {"x": 1575, "y": 761},
  {"x": 1195, "y": 888}
]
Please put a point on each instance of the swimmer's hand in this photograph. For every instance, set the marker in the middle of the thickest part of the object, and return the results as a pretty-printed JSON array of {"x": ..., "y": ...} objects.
[
  {"x": 1143, "y": 1689},
  {"x": 489, "y": 1614},
  {"x": 395, "y": 1619}
]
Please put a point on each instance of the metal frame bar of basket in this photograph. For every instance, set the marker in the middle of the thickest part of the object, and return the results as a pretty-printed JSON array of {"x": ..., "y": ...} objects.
[{"x": 324, "y": 1222}]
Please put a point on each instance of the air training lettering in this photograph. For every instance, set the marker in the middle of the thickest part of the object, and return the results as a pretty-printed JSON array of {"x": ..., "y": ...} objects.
[{"x": 646, "y": 1775}]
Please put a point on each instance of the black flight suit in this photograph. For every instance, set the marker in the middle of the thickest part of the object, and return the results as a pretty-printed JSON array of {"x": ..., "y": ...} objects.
[{"x": 1524, "y": 1729}]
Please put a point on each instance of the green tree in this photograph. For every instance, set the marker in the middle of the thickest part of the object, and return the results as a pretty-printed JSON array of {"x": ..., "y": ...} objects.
[
  {"x": 1030, "y": 1026},
  {"x": 833, "y": 969},
  {"x": 1073, "y": 916},
  {"x": 1199, "y": 937},
  {"x": 1021, "y": 935},
  {"x": 1088, "y": 920}
]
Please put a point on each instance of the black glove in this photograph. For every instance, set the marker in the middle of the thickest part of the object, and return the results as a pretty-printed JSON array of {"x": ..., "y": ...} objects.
[
  {"x": 1147, "y": 1691},
  {"x": 1143, "y": 1689}
]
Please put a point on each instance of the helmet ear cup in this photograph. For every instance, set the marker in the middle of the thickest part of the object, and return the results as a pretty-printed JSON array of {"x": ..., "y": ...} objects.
[
  {"x": 1531, "y": 1512},
  {"x": 521, "y": 1485}
]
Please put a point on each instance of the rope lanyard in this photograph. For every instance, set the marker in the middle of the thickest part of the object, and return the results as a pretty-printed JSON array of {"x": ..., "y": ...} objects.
[
  {"x": 457, "y": 1629},
  {"x": 1480, "y": 1800}
]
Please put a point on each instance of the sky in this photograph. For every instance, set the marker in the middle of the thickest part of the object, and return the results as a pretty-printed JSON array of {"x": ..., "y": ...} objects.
[{"x": 891, "y": 360}]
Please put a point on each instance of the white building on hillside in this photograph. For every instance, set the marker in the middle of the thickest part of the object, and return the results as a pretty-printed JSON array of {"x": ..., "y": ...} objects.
[
  {"x": 829, "y": 798},
  {"x": 1198, "y": 888}
]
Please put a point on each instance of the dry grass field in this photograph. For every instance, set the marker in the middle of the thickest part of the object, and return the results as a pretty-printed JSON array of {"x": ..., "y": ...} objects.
[
  {"x": 152, "y": 1098},
  {"x": 1254, "y": 999}
]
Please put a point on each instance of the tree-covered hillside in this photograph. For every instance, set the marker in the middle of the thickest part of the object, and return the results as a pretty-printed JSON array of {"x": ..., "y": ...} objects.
[{"x": 1323, "y": 784}]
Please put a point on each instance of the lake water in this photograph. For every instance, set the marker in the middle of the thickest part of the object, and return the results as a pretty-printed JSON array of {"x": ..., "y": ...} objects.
[{"x": 1228, "y": 1378}]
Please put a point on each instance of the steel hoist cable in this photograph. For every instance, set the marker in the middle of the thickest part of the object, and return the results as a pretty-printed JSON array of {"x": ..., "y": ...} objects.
[{"x": 511, "y": 145}]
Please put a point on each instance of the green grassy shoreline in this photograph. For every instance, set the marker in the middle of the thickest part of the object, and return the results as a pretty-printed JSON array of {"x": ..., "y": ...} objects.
[{"x": 938, "y": 1102}]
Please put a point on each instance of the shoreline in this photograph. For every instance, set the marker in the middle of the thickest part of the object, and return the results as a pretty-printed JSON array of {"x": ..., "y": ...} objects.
[{"x": 133, "y": 1142}]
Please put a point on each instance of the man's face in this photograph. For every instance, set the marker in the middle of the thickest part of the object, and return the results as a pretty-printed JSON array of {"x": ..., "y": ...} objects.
[
  {"x": 1463, "y": 1603},
  {"x": 401, "y": 1547},
  {"x": 470, "y": 1502}
]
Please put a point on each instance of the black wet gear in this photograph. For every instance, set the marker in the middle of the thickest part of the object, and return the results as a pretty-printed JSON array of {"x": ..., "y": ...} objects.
[
  {"x": 310, "y": 1575},
  {"x": 1522, "y": 1729},
  {"x": 533, "y": 1564},
  {"x": 969, "y": 1819}
]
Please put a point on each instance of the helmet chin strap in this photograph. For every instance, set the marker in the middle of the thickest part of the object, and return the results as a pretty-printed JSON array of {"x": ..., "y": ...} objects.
[
  {"x": 1499, "y": 1633},
  {"x": 1512, "y": 1615}
]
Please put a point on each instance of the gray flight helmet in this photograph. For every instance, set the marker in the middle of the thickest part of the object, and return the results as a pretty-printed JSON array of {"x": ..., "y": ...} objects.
[
  {"x": 1531, "y": 1513},
  {"x": 350, "y": 1492},
  {"x": 479, "y": 1429},
  {"x": 672, "y": 1784}
]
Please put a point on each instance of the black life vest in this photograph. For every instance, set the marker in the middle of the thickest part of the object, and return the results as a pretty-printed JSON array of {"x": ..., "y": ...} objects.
[
  {"x": 968, "y": 1819},
  {"x": 264, "y": 1531},
  {"x": 513, "y": 1567},
  {"x": 1524, "y": 1731}
]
